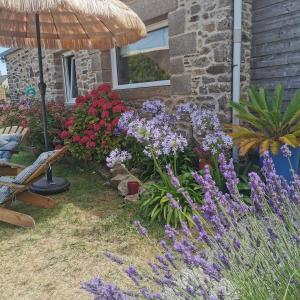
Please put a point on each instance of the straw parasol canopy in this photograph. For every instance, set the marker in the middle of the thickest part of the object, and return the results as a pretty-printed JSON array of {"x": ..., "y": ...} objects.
[{"x": 69, "y": 24}]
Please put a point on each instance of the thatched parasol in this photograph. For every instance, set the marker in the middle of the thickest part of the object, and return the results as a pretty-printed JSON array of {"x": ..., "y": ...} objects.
[
  {"x": 69, "y": 24},
  {"x": 66, "y": 24}
]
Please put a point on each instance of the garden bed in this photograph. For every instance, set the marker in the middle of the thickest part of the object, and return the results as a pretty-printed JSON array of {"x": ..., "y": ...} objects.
[{"x": 67, "y": 245}]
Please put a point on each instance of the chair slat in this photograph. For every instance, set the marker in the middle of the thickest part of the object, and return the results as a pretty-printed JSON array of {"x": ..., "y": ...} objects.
[
  {"x": 7, "y": 130},
  {"x": 14, "y": 129},
  {"x": 19, "y": 130}
]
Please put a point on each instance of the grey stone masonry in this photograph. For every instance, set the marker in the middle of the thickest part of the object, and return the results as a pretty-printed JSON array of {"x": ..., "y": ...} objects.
[
  {"x": 201, "y": 41},
  {"x": 22, "y": 68}
]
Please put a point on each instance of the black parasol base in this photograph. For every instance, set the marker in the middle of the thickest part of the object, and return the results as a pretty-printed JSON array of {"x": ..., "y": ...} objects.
[{"x": 45, "y": 187}]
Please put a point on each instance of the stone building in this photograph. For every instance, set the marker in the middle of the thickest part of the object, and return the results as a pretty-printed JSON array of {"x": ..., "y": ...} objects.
[{"x": 187, "y": 55}]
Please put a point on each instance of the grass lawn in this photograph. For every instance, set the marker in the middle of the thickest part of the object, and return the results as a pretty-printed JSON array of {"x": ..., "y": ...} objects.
[{"x": 67, "y": 245}]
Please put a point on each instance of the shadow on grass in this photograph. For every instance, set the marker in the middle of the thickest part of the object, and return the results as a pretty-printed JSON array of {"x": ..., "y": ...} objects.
[{"x": 87, "y": 195}]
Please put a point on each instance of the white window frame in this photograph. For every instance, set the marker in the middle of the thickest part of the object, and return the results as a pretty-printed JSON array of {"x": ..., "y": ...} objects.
[
  {"x": 68, "y": 88},
  {"x": 115, "y": 80}
]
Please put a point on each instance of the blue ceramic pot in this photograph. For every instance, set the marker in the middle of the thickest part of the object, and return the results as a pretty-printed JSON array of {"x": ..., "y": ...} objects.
[{"x": 282, "y": 164}]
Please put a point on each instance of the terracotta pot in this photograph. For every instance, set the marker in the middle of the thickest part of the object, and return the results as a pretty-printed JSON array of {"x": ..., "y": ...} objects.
[
  {"x": 203, "y": 163},
  {"x": 133, "y": 187}
]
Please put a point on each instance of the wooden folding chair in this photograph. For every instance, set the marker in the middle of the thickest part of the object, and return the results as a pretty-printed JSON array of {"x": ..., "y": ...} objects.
[
  {"x": 13, "y": 169},
  {"x": 21, "y": 192},
  {"x": 23, "y": 131}
]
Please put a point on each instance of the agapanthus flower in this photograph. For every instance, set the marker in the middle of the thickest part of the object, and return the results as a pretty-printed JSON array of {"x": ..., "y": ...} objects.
[
  {"x": 205, "y": 121},
  {"x": 116, "y": 157},
  {"x": 186, "y": 108},
  {"x": 173, "y": 143},
  {"x": 217, "y": 142},
  {"x": 125, "y": 119},
  {"x": 153, "y": 106}
]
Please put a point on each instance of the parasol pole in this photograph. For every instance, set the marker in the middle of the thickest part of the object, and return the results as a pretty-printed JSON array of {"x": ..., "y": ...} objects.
[
  {"x": 49, "y": 184},
  {"x": 42, "y": 88}
]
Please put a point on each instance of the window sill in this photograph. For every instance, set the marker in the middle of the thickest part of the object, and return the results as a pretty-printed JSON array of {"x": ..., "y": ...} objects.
[
  {"x": 142, "y": 85},
  {"x": 69, "y": 104}
]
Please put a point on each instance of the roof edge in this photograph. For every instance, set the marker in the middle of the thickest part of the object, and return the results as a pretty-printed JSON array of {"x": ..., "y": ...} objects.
[{"x": 7, "y": 52}]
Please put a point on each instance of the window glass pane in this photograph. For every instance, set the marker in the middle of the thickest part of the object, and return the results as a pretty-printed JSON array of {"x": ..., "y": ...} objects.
[
  {"x": 157, "y": 39},
  {"x": 145, "y": 61},
  {"x": 74, "y": 91},
  {"x": 70, "y": 78}
]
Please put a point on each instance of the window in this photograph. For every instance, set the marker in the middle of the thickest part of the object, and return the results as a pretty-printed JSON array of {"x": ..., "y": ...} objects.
[
  {"x": 69, "y": 67},
  {"x": 145, "y": 63}
]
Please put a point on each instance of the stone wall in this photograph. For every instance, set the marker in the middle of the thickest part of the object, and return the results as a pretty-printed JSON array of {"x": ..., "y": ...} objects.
[
  {"x": 22, "y": 68},
  {"x": 201, "y": 52}
]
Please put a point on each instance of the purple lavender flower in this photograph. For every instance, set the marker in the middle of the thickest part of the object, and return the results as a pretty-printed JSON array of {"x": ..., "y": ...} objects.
[
  {"x": 134, "y": 275},
  {"x": 103, "y": 291},
  {"x": 173, "y": 202},
  {"x": 141, "y": 230},
  {"x": 286, "y": 151},
  {"x": 170, "y": 231},
  {"x": 114, "y": 258}
]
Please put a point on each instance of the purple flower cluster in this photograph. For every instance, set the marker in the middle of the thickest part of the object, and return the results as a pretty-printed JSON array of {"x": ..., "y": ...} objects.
[
  {"x": 153, "y": 106},
  {"x": 103, "y": 291},
  {"x": 286, "y": 151},
  {"x": 125, "y": 119},
  {"x": 216, "y": 142},
  {"x": 206, "y": 125},
  {"x": 157, "y": 137},
  {"x": 205, "y": 121},
  {"x": 117, "y": 157}
]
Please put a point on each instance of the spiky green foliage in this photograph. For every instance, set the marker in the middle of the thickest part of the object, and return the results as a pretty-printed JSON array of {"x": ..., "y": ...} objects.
[{"x": 265, "y": 124}]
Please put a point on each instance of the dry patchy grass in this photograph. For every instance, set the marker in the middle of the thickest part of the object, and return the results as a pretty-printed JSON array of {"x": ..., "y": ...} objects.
[{"x": 67, "y": 245}]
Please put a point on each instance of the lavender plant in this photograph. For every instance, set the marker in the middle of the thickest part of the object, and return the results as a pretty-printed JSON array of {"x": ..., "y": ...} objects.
[{"x": 234, "y": 251}]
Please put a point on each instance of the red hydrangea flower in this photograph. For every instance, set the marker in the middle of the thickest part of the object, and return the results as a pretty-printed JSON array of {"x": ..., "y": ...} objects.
[
  {"x": 105, "y": 87},
  {"x": 104, "y": 144},
  {"x": 76, "y": 138},
  {"x": 70, "y": 122},
  {"x": 92, "y": 111},
  {"x": 64, "y": 135},
  {"x": 107, "y": 106},
  {"x": 91, "y": 145},
  {"x": 97, "y": 127},
  {"x": 117, "y": 108},
  {"x": 115, "y": 122},
  {"x": 102, "y": 123},
  {"x": 105, "y": 114},
  {"x": 84, "y": 140}
]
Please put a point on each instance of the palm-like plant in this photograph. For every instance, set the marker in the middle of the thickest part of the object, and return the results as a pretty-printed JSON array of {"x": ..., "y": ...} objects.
[{"x": 265, "y": 125}]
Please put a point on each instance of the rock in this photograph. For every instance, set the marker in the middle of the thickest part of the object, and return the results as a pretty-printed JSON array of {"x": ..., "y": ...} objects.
[
  {"x": 118, "y": 170},
  {"x": 132, "y": 198},
  {"x": 115, "y": 181}
]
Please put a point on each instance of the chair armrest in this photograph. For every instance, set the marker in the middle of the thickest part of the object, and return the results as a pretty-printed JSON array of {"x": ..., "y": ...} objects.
[
  {"x": 12, "y": 165},
  {"x": 13, "y": 185}
]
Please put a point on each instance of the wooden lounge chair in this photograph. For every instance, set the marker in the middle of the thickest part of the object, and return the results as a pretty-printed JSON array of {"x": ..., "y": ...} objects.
[
  {"x": 18, "y": 189},
  {"x": 23, "y": 131},
  {"x": 7, "y": 169}
]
